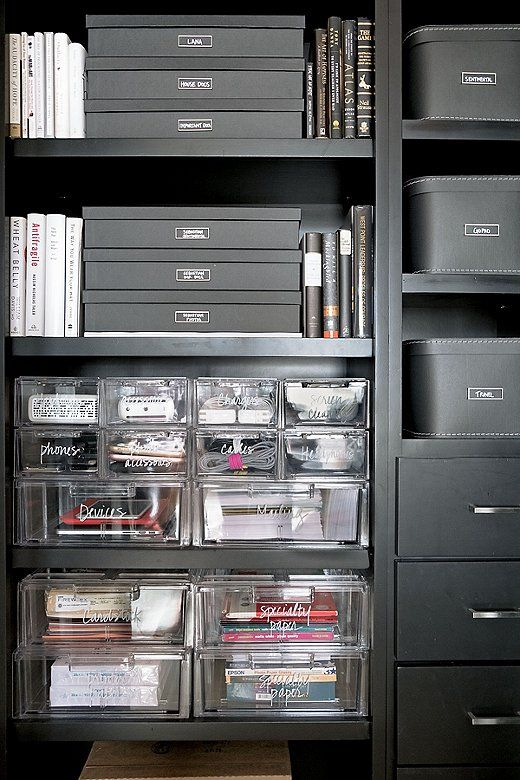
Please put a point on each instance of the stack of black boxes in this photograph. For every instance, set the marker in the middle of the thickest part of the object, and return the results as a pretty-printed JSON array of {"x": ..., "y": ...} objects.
[
  {"x": 155, "y": 76},
  {"x": 161, "y": 270}
]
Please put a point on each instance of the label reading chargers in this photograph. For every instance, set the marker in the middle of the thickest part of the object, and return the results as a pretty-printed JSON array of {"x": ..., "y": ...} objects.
[
  {"x": 195, "y": 41},
  {"x": 485, "y": 393},
  {"x": 193, "y": 275},
  {"x": 192, "y": 234},
  {"x": 203, "y": 83},
  {"x": 192, "y": 317},
  {"x": 194, "y": 125}
]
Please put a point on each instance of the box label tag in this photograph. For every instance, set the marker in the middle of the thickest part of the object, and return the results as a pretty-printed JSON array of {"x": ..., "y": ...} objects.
[
  {"x": 195, "y": 41},
  {"x": 195, "y": 125},
  {"x": 202, "y": 83},
  {"x": 478, "y": 78},
  {"x": 193, "y": 275},
  {"x": 192, "y": 234},
  {"x": 192, "y": 317},
  {"x": 482, "y": 229},
  {"x": 485, "y": 393}
]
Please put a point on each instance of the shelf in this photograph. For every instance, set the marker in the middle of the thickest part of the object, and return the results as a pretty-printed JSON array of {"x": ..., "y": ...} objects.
[
  {"x": 188, "y": 346},
  {"x": 461, "y": 283},
  {"x": 460, "y": 448},
  {"x": 324, "y": 728},
  {"x": 453, "y": 130},
  {"x": 168, "y": 559},
  {"x": 151, "y": 147}
]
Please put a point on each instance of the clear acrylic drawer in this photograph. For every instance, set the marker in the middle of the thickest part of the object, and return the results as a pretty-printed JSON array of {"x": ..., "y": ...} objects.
[
  {"x": 56, "y": 401},
  {"x": 111, "y": 681},
  {"x": 60, "y": 512},
  {"x": 236, "y": 453},
  {"x": 41, "y": 451},
  {"x": 300, "y": 609},
  {"x": 280, "y": 513},
  {"x": 80, "y": 607},
  {"x": 252, "y": 682},
  {"x": 153, "y": 453},
  {"x": 131, "y": 401},
  {"x": 329, "y": 455},
  {"x": 238, "y": 402},
  {"x": 314, "y": 402}
]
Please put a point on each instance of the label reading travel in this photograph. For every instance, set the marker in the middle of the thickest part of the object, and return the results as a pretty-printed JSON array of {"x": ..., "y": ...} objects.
[
  {"x": 473, "y": 77},
  {"x": 482, "y": 229},
  {"x": 193, "y": 275},
  {"x": 202, "y": 83},
  {"x": 195, "y": 125},
  {"x": 485, "y": 393},
  {"x": 195, "y": 41},
  {"x": 193, "y": 317},
  {"x": 192, "y": 234}
]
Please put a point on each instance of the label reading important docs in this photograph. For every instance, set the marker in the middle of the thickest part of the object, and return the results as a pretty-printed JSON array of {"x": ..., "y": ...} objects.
[
  {"x": 192, "y": 317},
  {"x": 193, "y": 275},
  {"x": 195, "y": 125},
  {"x": 475, "y": 77},
  {"x": 192, "y": 234},
  {"x": 195, "y": 41},
  {"x": 485, "y": 393}
]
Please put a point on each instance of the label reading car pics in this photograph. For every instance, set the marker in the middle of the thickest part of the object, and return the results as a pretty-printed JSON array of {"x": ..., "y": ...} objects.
[
  {"x": 193, "y": 275},
  {"x": 192, "y": 317},
  {"x": 482, "y": 229},
  {"x": 200, "y": 83},
  {"x": 478, "y": 78},
  {"x": 192, "y": 234},
  {"x": 195, "y": 125},
  {"x": 195, "y": 41},
  {"x": 485, "y": 393}
]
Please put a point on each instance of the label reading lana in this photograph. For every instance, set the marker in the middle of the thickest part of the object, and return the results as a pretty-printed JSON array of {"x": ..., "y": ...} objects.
[
  {"x": 195, "y": 41},
  {"x": 192, "y": 234},
  {"x": 485, "y": 393},
  {"x": 474, "y": 77},
  {"x": 192, "y": 317}
]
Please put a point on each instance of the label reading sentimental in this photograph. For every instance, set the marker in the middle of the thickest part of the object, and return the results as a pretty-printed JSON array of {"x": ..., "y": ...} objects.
[
  {"x": 485, "y": 393},
  {"x": 195, "y": 125},
  {"x": 195, "y": 41},
  {"x": 193, "y": 317},
  {"x": 193, "y": 275},
  {"x": 472, "y": 77},
  {"x": 482, "y": 229},
  {"x": 192, "y": 234},
  {"x": 201, "y": 83}
]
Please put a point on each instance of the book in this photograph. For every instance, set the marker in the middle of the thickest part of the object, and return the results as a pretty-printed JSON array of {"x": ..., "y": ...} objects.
[
  {"x": 349, "y": 49},
  {"x": 39, "y": 84},
  {"x": 321, "y": 609},
  {"x": 345, "y": 280},
  {"x": 309, "y": 99},
  {"x": 24, "y": 116},
  {"x": 35, "y": 276},
  {"x": 278, "y": 631},
  {"x": 365, "y": 78},
  {"x": 55, "y": 276},
  {"x": 14, "y": 126},
  {"x": 17, "y": 250},
  {"x": 312, "y": 283},
  {"x": 77, "y": 90},
  {"x": 363, "y": 270},
  {"x": 49, "y": 84},
  {"x": 330, "y": 287},
  {"x": 31, "y": 97},
  {"x": 73, "y": 241},
  {"x": 322, "y": 129},
  {"x": 334, "y": 77},
  {"x": 61, "y": 85}
]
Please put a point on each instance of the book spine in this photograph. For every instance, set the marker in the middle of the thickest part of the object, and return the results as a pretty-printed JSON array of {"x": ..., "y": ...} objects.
[
  {"x": 24, "y": 117},
  {"x": 321, "y": 84},
  {"x": 17, "y": 250},
  {"x": 55, "y": 276},
  {"x": 49, "y": 84},
  {"x": 330, "y": 287},
  {"x": 365, "y": 78},
  {"x": 312, "y": 281},
  {"x": 35, "y": 276},
  {"x": 335, "y": 78},
  {"x": 349, "y": 48},
  {"x": 345, "y": 282},
  {"x": 77, "y": 89},
  {"x": 73, "y": 239},
  {"x": 61, "y": 85},
  {"x": 39, "y": 84},
  {"x": 363, "y": 271},
  {"x": 31, "y": 97},
  {"x": 309, "y": 99},
  {"x": 14, "y": 129}
]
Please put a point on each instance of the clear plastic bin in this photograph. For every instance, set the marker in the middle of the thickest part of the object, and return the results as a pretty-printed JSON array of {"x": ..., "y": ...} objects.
[
  {"x": 317, "y": 402},
  {"x": 240, "y": 402},
  {"x": 56, "y": 401},
  {"x": 108, "y": 681},
  {"x": 327, "y": 454},
  {"x": 61, "y": 512},
  {"x": 145, "y": 401},
  {"x": 148, "y": 453},
  {"x": 281, "y": 514},
  {"x": 236, "y": 453},
  {"x": 44, "y": 451}
]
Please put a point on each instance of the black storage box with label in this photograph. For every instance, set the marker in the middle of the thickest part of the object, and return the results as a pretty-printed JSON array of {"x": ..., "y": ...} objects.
[
  {"x": 463, "y": 72},
  {"x": 462, "y": 388},
  {"x": 463, "y": 224}
]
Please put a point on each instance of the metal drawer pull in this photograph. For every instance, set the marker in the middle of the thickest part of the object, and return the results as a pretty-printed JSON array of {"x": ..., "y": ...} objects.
[
  {"x": 479, "y": 614},
  {"x": 494, "y": 720},
  {"x": 494, "y": 510}
]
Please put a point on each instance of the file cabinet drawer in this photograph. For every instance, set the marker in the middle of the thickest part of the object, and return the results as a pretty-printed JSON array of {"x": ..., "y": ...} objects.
[
  {"x": 459, "y": 773},
  {"x": 458, "y": 715},
  {"x": 459, "y": 507},
  {"x": 458, "y": 611}
]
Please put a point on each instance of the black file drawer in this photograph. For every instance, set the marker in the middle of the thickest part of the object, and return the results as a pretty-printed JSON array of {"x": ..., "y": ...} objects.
[
  {"x": 458, "y": 611},
  {"x": 459, "y": 507},
  {"x": 459, "y": 773},
  {"x": 433, "y": 721}
]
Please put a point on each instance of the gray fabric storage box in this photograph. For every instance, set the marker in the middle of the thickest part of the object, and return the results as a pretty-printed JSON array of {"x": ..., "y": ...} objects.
[
  {"x": 463, "y": 224},
  {"x": 195, "y": 63},
  {"x": 190, "y": 256},
  {"x": 463, "y": 388},
  {"x": 462, "y": 72},
  {"x": 133, "y": 106},
  {"x": 194, "y": 20}
]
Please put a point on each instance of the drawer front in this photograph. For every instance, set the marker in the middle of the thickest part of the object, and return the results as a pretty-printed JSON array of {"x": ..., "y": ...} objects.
[
  {"x": 459, "y": 507},
  {"x": 459, "y": 773},
  {"x": 433, "y": 721},
  {"x": 458, "y": 611}
]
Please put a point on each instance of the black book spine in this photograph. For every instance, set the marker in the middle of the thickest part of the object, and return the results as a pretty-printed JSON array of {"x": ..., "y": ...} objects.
[
  {"x": 335, "y": 77},
  {"x": 309, "y": 99},
  {"x": 362, "y": 218},
  {"x": 349, "y": 49},
  {"x": 345, "y": 281},
  {"x": 365, "y": 78},
  {"x": 330, "y": 287},
  {"x": 322, "y": 130},
  {"x": 312, "y": 281}
]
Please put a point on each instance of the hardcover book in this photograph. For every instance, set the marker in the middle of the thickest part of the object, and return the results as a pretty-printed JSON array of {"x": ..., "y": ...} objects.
[{"x": 365, "y": 78}]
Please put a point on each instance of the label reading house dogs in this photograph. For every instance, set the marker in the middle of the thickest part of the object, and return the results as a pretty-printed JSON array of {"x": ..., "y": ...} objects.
[
  {"x": 485, "y": 393},
  {"x": 193, "y": 275},
  {"x": 203, "y": 83},
  {"x": 192, "y": 234},
  {"x": 192, "y": 317},
  {"x": 195, "y": 41},
  {"x": 482, "y": 229},
  {"x": 195, "y": 125},
  {"x": 470, "y": 77}
]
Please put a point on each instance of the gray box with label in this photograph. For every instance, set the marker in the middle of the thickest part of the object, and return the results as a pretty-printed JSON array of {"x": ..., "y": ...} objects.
[
  {"x": 133, "y": 105},
  {"x": 193, "y": 20},
  {"x": 191, "y": 256},
  {"x": 195, "y": 63}
]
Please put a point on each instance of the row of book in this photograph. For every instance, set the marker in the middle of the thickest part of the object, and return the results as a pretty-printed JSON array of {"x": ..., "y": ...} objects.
[
  {"x": 338, "y": 278},
  {"x": 45, "y": 275},
  {"x": 46, "y": 85},
  {"x": 340, "y": 80}
]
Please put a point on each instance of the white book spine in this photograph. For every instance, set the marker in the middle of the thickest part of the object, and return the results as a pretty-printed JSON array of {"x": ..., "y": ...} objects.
[
  {"x": 31, "y": 87},
  {"x": 35, "y": 276},
  {"x": 49, "y": 84},
  {"x": 77, "y": 89},
  {"x": 55, "y": 275},
  {"x": 23, "y": 60},
  {"x": 15, "y": 99},
  {"x": 39, "y": 82},
  {"x": 73, "y": 244},
  {"x": 17, "y": 249},
  {"x": 61, "y": 85}
]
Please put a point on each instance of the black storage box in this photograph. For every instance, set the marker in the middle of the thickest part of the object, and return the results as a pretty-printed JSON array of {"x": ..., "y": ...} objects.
[
  {"x": 463, "y": 224},
  {"x": 190, "y": 256},
  {"x": 195, "y": 63},
  {"x": 463, "y": 72},
  {"x": 463, "y": 388}
]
